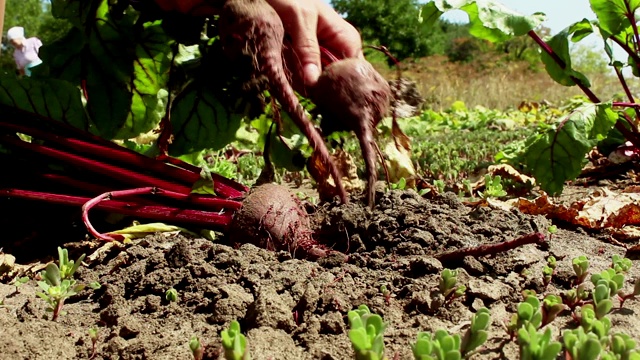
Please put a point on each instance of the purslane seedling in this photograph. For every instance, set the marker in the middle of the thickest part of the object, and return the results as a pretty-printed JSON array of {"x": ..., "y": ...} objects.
[
  {"x": 57, "y": 282},
  {"x": 197, "y": 348},
  {"x": 366, "y": 332},
  {"x": 234, "y": 343}
]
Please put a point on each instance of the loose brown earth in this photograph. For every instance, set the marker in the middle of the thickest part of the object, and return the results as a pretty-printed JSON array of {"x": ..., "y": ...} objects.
[{"x": 296, "y": 309}]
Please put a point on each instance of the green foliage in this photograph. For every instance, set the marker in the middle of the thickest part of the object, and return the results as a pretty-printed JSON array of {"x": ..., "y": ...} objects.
[
  {"x": 197, "y": 349},
  {"x": 395, "y": 24},
  {"x": 234, "y": 343},
  {"x": 580, "y": 266},
  {"x": 366, "y": 334},
  {"x": 448, "y": 284},
  {"x": 535, "y": 345},
  {"x": 171, "y": 295},
  {"x": 557, "y": 154},
  {"x": 493, "y": 187},
  {"x": 57, "y": 282}
]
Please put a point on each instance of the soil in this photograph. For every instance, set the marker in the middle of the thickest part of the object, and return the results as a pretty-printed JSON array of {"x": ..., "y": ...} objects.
[{"x": 294, "y": 308}]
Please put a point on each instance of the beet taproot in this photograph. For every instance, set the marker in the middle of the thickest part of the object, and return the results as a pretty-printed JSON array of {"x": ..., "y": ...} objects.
[
  {"x": 253, "y": 28},
  {"x": 352, "y": 96},
  {"x": 272, "y": 217}
]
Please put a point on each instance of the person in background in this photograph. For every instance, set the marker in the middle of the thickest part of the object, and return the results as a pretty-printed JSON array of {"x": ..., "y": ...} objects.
[{"x": 26, "y": 50}]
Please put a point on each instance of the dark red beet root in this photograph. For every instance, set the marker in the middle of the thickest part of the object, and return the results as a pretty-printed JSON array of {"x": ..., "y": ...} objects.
[
  {"x": 352, "y": 95},
  {"x": 272, "y": 218}
]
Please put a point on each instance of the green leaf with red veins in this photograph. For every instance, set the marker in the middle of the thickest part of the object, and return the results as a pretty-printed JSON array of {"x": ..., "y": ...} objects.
[
  {"x": 201, "y": 121},
  {"x": 489, "y": 19},
  {"x": 52, "y": 98},
  {"x": 560, "y": 45},
  {"x": 613, "y": 15},
  {"x": 559, "y": 154}
]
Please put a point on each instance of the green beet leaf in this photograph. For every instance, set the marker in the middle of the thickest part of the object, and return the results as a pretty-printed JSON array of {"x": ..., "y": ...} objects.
[
  {"x": 201, "y": 121},
  {"x": 559, "y": 154}
]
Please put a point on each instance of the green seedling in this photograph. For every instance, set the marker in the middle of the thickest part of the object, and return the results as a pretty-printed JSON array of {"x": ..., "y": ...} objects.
[
  {"x": 93, "y": 335},
  {"x": 551, "y": 306},
  {"x": 171, "y": 295},
  {"x": 590, "y": 323},
  {"x": 622, "y": 346},
  {"x": 548, "y": 271},
  {"x": 234, "y": 343},
  {"x": 620, "y": 264},
  {"x": 575, "y": 297},
  {"x": 439, "y": 185},
  {"x": 19, "y": 282},
  {"x": 493, "y": 187},
  {"x": 580, "y": 268},
  {"x": 477, "y": 334},
  {"x": 386, "y": 293},
  {"x": 581, "y": 345},
  {"x": 196, "y": 347},
  {"x": 58, "y": 284},
  {"x": 528, "y": 312},
  {"x": 68, "y": 267},
  {"x": 448, "y": 285},
  {"x": 400, "y": 185},
  {"x": 366, "y": 334},
  {"x": 536, "y": 346},
  {"x": 440, "y": 346}
]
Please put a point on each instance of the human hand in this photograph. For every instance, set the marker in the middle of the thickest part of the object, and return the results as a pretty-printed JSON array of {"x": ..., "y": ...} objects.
[{"x": 311, "y": 24}]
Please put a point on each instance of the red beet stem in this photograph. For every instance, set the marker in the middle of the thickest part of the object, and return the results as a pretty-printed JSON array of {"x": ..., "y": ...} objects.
[
  {"x": 116, "y": 154},
  {"x": 108, "y": 170},
  {"x": 203, "y": 219}
]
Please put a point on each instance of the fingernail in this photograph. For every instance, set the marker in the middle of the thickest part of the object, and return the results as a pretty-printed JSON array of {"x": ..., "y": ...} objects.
[{"x": 311, "y": 73}]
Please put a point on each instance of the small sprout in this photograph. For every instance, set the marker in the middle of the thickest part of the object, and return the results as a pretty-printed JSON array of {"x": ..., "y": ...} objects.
[
  {"x": 493, "y": 187},
  {"x": 590, "y": 322},
  {"x": 172, "y": 295},
  {"x": 477, "y": 334},
  {"x": 439, "y": 185},
  {"x": 68, "y": 267},
  {"x": 366, "y": 334},
  {"x": 620, "y": 264},
  {"x": 234, "y": 343},
  {"x": 93, "y": 335},
  {"x": 400, "y": 185},
  {"x": 386, "y": 293},
  {"x": 95, "y": 285},
  {"x": 581, "y": 345},
  {"x": 547, "y": 275},
  {"x": 581, "y": 268},
  {"x": 551, "y": 306},
  {"x": 623, "y": 347},
  {"x": 196, "y": 347},
  {"x": 447, "y": 285},
  {"x": 440, "y": 345},
  {"x": 19, "y": 282},
  {"x": 56, "y": 289},
  {"x": 553, "y": 229},
  {"x": 536, "y": 346}
]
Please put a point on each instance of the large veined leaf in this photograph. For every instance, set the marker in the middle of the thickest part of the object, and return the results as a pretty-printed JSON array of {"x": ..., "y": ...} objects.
[
  {"x": 566, "y": 76},
  {"x": 52, "y": 98},
  {"x": 558, "y": 154},
  {"x": 201, "y": 121},
  {"x": 613, "y": 15},
  {"x": 489, "y": 19},
  {"x": 123, "y": 65}
]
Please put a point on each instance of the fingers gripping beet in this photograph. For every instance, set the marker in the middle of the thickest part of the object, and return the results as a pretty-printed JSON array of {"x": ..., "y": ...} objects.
[
  {"x": 352, "y": 95},
  {"x": 252, "y": 27}
]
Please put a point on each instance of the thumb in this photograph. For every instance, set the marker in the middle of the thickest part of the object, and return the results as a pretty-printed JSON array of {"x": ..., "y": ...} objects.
[{"x": 306, "y": 48}]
